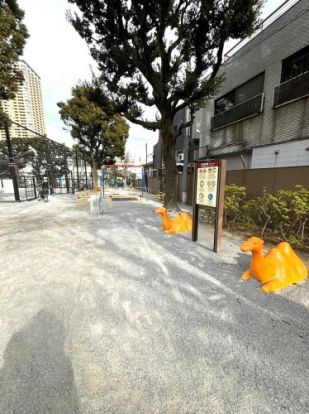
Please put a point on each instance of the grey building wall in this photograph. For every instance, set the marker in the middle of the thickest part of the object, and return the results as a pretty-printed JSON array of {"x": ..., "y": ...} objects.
[
  {"x": 238, "y": 161},
  {"x": 264, "y": 53},
  {"x": 201, "y": 127},
  {"x": 287, "y": 154}
]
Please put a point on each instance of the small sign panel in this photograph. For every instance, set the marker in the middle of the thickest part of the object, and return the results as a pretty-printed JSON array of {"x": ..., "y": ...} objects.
[{"x": 207, "y": 183}]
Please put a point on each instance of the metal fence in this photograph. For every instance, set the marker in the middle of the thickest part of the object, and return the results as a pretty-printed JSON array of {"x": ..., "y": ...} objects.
[
  {"x": 21, "y": 180},
  {"x": 70, "y": 184},
  {"x": 292, "y": 89},
  {"x": 29, "y": 186},
  {"x": 26, "y": 186}
]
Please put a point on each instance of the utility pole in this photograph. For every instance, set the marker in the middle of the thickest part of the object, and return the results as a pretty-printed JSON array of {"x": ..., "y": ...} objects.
[
  {"x": 103, "y": 178},
  {"x": 77, "y": 171},
  {"x": 67, "y": 182},
  {"x": 146, "y": 177},
  {"x": 12, "y": 164},
  {"x": 85, "y": 165},
  {"x": 186, "y": 158},
  {"x": 146, "y": 158}
]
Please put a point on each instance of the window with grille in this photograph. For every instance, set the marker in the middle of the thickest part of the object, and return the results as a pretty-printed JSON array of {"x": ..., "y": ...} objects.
[
  {"x": 295, "y": 65},
  {"x": 240, "y": 94}
]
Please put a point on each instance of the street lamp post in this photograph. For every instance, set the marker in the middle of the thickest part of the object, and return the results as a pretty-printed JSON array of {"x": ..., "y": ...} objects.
[
  {"x": 12, "y": 164},
  {"x": 85, "y": 165},
  {"x": 70, "y": 166},
  {"x": 187, "y": 140}
]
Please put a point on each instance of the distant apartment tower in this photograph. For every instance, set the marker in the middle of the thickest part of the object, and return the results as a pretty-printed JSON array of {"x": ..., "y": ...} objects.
[{"x": 26, "y": 108}]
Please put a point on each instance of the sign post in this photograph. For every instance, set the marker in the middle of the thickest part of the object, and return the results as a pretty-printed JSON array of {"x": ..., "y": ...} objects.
[{"x": 209, "y": 183}]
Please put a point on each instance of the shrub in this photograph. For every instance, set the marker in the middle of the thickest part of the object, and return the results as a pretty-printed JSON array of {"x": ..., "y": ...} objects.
[
  {"x": 267, "y": 212},
  {"x": 285, "y": 214},
  {"x": 234, "y": 199},
  {"x": 297, "y": 203}
]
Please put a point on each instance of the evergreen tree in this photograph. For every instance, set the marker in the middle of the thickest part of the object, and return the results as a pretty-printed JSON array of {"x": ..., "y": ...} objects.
[
  {"x": 100, "y": 137},
  {"x": 161, "y": 53},
  {"x": 22, "y": 155},
  {"x": 47, "y": 157},
  {"x": 13, "y": 35},
  {"x": 50, "y": 159}
]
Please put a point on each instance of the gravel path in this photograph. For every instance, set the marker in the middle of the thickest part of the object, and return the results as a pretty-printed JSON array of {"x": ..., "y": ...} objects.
[{"x": 110, "y": 315}]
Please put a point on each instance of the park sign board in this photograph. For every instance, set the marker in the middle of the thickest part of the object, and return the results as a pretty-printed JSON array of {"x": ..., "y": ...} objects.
[{"x": 207, "y": 183}]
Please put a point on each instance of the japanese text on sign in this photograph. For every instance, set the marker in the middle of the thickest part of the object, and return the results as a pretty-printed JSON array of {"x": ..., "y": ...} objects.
[{"x": 206, "y": 191}]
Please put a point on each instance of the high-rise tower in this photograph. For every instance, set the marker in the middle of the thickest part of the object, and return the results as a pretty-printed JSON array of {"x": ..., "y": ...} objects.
[{"x": 27, "y": 107}]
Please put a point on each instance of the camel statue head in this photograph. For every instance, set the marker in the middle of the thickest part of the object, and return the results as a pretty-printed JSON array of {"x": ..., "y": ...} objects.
[
  {"x": 253, "y": 243},
  {"x": 160, "y": 210}
]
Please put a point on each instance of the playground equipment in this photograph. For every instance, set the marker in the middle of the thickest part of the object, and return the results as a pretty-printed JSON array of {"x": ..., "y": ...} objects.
[
  {"x": 279, "y": 268},
  {"x": 179, "y": 224},
  {"x": 120, "y": 176},
  {"x": 157, "y": 196},
  {"x": 124, "y": 197},
  {"x": 95, "y": 202},
  {"x": 82, "y": 199},
  {"x": 93, "y": 197},
  {"x": 147, "y": 195}
]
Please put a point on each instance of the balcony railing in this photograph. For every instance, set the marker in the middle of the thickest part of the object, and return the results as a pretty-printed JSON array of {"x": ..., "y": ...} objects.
[
  {"x": 244, "y": 110},
  {"x": 292, "y": 90}
]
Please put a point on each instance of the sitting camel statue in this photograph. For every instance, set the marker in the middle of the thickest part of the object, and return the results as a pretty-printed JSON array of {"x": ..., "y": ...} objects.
[
  {"x": 279, "y": 268},
  {"x": 178, "y": 224}
]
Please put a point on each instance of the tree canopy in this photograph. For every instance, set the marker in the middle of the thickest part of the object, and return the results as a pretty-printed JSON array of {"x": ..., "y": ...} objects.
[
  {"x": 161, "y": 53},
  {"x": 47, "y": 158},
  {"x": 50, "y": 158},
  {"x": 22, "y": 155},
  {"x": 13, "y": 35},
  {"x": 100, "y": 137}
]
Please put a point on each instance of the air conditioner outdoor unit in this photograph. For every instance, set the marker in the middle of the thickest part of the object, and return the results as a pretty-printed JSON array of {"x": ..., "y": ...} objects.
[{"x": 180, "y": 158}]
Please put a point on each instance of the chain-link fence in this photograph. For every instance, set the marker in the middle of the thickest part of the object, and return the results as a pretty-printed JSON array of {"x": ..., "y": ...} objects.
[
  {"x": 28, "y": 163},
  {"x": 26, "y": 186},
  {"x": 29, "y": 185}
]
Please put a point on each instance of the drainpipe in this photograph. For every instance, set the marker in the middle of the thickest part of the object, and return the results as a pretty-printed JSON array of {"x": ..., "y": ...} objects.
[{"x": 243, "y": 161}]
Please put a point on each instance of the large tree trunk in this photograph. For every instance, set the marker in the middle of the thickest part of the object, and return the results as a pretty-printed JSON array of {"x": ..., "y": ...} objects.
[
  {"x": 168, "y": 142},
  {"x": 94, "y": 174}
]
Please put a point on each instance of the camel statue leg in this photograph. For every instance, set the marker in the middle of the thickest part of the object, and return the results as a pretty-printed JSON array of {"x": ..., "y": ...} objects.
[
  {"x": 246, "y": 275},
  {"x": 275, "y": 285}
]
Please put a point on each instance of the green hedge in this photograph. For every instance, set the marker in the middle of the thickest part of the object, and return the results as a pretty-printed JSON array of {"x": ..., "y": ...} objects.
[{"x": 285, "y": 214}]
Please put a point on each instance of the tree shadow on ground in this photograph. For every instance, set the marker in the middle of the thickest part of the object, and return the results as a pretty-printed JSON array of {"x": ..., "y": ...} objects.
[
  {"x": 268, "y": 332},
  {"x": 262, "y": 338},
  {"x": 179, "y": 311},
  {"x": 37, "y": 377}
]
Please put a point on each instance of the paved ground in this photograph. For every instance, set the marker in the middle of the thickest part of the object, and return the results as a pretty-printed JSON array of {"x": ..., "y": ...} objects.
[{"x": 109, "y": 315}]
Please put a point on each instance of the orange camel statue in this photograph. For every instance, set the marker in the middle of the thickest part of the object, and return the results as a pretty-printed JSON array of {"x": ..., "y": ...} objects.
[
  {"x": 178, "y": 224},
  {"x": 279, "y": 268}
]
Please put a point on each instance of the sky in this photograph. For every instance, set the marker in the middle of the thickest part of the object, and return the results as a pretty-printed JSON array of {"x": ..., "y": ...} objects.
[{"x": 61, "y": 58}]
